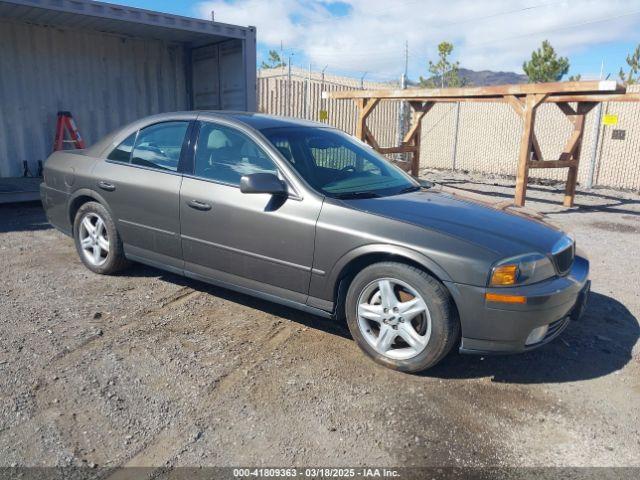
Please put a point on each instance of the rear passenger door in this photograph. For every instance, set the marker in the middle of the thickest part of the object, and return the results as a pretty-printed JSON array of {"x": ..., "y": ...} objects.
[
  {"x": 255, "y": 241},
  {"x": 140, "y": 180}
]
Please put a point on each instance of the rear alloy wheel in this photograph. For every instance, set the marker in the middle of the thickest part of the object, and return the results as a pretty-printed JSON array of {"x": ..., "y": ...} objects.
[
  {"x": 97, "y": 240},
  {"x": 401, "y": 316},
  {"x": 94, "y": 239}
]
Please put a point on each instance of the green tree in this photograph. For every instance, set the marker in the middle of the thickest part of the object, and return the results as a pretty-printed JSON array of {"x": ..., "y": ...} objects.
[
  {"x": 274, "y": 61},
  {"x": 634, "y": 67},
  {"x": 545, "y": 65},
  {"x": 575, "y": 78},
  {"x": 444, "y": 73}
]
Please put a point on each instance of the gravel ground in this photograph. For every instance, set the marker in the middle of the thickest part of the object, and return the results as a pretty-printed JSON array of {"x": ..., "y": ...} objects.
[{"x": 150, "y": 369}]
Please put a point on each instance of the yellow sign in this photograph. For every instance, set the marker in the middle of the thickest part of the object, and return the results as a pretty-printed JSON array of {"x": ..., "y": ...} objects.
[
  {"x": 610, "y": 120},
  {"x": 324, "y": 115}
]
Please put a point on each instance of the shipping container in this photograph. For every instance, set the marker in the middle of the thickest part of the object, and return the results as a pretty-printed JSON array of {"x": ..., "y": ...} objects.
[{"x": 109, "y": 65}]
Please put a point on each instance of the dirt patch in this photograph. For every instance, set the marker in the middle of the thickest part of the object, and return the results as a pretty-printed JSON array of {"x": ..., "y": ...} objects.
[
  {"x": 148, "y": 368},
  {"x": 616, "y": 227}
]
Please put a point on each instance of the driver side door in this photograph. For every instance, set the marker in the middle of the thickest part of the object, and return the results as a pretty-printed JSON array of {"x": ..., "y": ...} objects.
[{"x": 256, "y": 241}]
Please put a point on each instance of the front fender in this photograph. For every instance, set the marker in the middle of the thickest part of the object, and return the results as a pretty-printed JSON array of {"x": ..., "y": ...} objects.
[{"x": 382, "y": 249}]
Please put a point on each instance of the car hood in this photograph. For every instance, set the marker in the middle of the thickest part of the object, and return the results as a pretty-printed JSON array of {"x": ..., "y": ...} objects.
[{"x": 491, "y": 226}]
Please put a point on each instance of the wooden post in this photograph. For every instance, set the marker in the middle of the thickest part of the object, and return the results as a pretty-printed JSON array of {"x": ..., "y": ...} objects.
[
  {"x": 365, "y": 108},
  {"x": 573, "y": 147},
  {"x": 413, "y": 135},
  {"x": 526, "y": 143}
]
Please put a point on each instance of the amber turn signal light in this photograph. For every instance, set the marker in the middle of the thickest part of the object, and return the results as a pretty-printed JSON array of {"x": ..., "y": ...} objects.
[
  {"x": 504, "y": 275},
  {"x": 498, "y": 297}
]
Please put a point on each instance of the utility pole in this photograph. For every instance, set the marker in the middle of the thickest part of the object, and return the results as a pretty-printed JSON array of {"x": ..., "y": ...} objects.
[
  {"x": 402, "y": 112},
  {"x": 322, "y": 92},
  {"x": 596, "y": 137},
  {"x": 289, "y": 99},
  {"x": 307, "y": 113},
  {"x": 362, "y": 80}
]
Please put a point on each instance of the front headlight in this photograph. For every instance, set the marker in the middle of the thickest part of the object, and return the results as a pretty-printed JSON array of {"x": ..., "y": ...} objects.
[{"x": 521, "y": 270}]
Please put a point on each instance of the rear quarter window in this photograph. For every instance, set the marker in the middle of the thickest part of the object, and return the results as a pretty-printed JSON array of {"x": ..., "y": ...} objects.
[{"x": 122, "y": 153}]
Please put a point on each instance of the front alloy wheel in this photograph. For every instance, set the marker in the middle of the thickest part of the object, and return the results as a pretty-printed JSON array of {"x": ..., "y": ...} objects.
[
  {"x": 394, "y": 319},
  {"x": 401, "y": 316}
]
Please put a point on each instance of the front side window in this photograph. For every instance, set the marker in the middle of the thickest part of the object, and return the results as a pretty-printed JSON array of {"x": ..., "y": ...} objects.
[
  {"x": 224, "y": 154},
  {"x": 338, "y": 165},
  {"x": 159, "y": 146}
]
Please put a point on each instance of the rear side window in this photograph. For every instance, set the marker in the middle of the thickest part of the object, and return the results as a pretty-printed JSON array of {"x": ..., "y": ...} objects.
[
  {"x": 122, "y": 153},
  {"x": 159, "y": 146}
]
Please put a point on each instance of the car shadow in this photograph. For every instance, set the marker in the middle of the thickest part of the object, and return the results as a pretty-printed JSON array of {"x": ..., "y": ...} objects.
[
  {"x": 303, "y": 318},
  {"x": 599, "y": 344},
  {"x": 23, "y": 217}
]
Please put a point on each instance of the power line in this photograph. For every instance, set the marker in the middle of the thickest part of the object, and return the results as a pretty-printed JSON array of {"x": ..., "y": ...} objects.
[
  {"x": 551, "y": 30},
  {"x": 393, "y": 52}
]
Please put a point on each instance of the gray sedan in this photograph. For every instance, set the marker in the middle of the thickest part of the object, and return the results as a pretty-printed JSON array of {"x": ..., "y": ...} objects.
[{"x": 302, "y": 214}]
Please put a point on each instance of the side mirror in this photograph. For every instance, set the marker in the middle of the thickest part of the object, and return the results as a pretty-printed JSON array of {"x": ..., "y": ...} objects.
[{"x": 262, "y": 183}]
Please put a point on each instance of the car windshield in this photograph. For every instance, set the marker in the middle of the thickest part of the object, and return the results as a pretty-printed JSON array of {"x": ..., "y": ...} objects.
[{"x": 338, "y": 165}]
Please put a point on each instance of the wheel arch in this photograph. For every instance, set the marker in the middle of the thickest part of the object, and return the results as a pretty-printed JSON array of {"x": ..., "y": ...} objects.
[
  {"x": 354, "y": 261},
  {"x": 79, "y": 198}
]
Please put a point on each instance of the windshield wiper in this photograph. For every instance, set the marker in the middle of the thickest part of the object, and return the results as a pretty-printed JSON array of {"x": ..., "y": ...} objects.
[
  {"x": 348, "y": 195},
  {"x": 412, "y": 188}
]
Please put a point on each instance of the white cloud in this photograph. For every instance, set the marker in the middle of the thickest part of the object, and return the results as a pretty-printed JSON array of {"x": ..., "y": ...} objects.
[{"x": 492, "y": 34}]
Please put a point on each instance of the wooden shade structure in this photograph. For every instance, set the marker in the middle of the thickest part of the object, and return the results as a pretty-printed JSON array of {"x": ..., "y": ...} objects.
[{"x": 575, "y": 100}]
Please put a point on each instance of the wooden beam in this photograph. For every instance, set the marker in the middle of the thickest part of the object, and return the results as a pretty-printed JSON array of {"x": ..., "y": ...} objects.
[
  {"x": 515, "y": 103},
  {"x": 406, "y": 166},
  {"x": 552, "y": 164},
  {"x": 370, "y": 105},
  {"x": 400, "y": 149},
  {"x": 604, "y": 86},
  {"x": 627, "y": 97},
  {"x": 370, "y": 138},
  {"x": 537, "y": 151},
  {"x": 417, "y": 121}
]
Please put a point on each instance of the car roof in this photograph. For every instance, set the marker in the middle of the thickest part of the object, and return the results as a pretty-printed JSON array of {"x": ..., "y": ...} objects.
[
  {"x": 260, "y": 121},
  {"x": 257, "y": 121}
]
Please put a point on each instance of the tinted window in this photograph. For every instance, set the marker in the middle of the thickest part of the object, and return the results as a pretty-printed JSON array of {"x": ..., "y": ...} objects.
[
  {"x": 159, "y": 146},
  {"x": 122, "y": 153},
  {"x": 337, "y": 164},
  {"x": 225, "y": 155}
]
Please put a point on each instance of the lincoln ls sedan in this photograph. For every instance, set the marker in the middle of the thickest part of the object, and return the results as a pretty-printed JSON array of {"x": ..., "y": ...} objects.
[{"x": 303, "y": 214}]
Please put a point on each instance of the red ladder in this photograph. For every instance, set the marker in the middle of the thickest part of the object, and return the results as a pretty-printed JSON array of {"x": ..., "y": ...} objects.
[{"x": 66, "y": 122}]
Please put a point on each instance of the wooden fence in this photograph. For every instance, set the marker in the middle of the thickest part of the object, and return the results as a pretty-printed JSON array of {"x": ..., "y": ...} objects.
[{"x": 475, "y": 137}]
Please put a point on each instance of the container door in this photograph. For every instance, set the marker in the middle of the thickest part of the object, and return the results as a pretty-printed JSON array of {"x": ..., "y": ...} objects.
[
  {"x": 206, "y": 78},
  {"x": 232, "y": 76}
]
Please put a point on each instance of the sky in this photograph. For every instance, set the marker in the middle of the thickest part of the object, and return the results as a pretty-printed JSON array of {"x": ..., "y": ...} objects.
[{"x": 351, "y": 37}]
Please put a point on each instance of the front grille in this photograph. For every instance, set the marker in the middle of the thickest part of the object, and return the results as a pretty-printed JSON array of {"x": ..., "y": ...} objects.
[{"x": 563, "y": 258}]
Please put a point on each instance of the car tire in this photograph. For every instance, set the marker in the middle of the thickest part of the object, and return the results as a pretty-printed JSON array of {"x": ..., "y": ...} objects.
[
  {"x": 391, "y": 336},
  {"x": 100, "y": 249}
]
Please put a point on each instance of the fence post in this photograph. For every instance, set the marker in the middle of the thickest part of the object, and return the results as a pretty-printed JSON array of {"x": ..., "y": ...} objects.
[
  {"x": 455, "y": 136},
  {"x": 594, "y": 146}
]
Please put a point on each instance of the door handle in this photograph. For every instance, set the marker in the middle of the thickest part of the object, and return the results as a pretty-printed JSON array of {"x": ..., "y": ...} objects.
[
  {"x": 198, "y": 205},
  {"x": 109, "y": 187}
]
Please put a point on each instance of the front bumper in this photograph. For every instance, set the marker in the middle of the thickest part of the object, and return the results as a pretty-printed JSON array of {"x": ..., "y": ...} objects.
[{"x": 489, "y": 327}]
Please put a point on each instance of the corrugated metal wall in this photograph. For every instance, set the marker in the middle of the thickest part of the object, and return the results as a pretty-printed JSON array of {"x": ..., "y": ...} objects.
[
  {"x": 105, "y": 80},
  {"x": 488, "y": 134}
]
